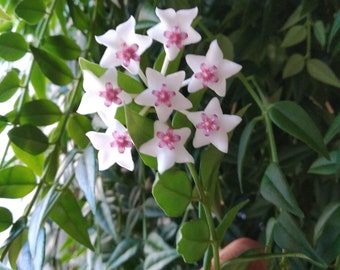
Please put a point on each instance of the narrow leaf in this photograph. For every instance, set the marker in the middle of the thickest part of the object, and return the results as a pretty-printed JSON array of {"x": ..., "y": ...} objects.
[
  {"x": 335, "y": 28},
  {"x": 324, "y": 166},
  {"x": 155, "y": 243},
  {"x": 172, "y": 192},
  {"x": 62, "y": 46},
  {"x": 6, "y": 218},
  {"x": 39, "y": 256},
  {"x": 104, "y": 218},
  {"x": 12, "y": 46},
  {"x": 333, "y": 130},
  {"x": 294, "y": 65},
  {"x": 31, "y": 11},
  {"x": 79, "y": 17},
  {"x": 320, "y": 32},
  {"x": 16, "y": 182},
  {"x": 29, "y": 138},
  {"x": 123, "y": 252},
  {"x": 291, "y": 118},
  {"x": 4, "y": 15},
  {"x": 54, "y": 68},
  {"x": 159, "y": 260},
  {"x": 9, "y": 85},
  {"x": 274, "y": 188},
  {"x": 294, "y": 18},
  {"x": 295, "y": 35},
  {"x": 322, "y": 72}
]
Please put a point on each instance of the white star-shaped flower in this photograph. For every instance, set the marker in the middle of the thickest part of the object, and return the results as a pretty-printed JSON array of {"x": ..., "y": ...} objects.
[
  {"x": 114, "y": 146},
  {"x": 211, "y": 70},
  {"x": 174, "y": 30},
  {"x": 167, "y": 146},
  {"x": 124, "y": 46},
  {"x": 212, "y": 126},
  {"x": 163, "y": 93},
  {"x": 102, "y": 95}
]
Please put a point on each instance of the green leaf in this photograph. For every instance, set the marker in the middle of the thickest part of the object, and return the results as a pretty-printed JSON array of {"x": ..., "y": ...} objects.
[
  {"x": 40, "y": 112},
  {"x": 173, "y": 65},
  {"x": 79, "y": 17},
  {"x": 93, "y": 67},
  {"x": 294, "y": 65},
  {"x": 9, "y": 85},
  {"x": 226, "y": 46},
  {"x": 62, "y": 46},
  {"x": 86, "y": 176},
  {"x": 34, "y": 162},
  {"x": 333, "y": 130},
  {"x": 38, "y": 81},
  {"x": 320, "y": 32},
  {"x": 129, "y": 84},
  {"x": 104, "y": 218},
  {"x": 16, "y": 182},
  {"x": 6, "y": 219},
  {"x": 322, "y": 72},
  {"x": 29, "y": 138},
  {"x": 324, "y": 166},
  {"x": 172, "y": 192},
  {"x": 52, "y": 66},
  {"x": 290, "y": 237},
  {"x": 294, "y": 36},
  {"x": 155, "y": 243},
  {"x": 31, "y": 11},
  {"x": 228, "y": 219},
  {"x": 294, "y": 18},
  {"x": 291, "y": 118},
  {"x": 67, "y": 214},
  {"x": 12, "y": 46},
  {"x": 274, "y": 188},
  {"x": 77, "y": 126},
  {"x": 123, "y": 252},
  {"x": 15, "y": 248},
  {"x": 4, "y": 15},
  {"x": 159, "y": 260},
  {"x": 334, "y": 29},
  {"x": 193, "y": 240}
]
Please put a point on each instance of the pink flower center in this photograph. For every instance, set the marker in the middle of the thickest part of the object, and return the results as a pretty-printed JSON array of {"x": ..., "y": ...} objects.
[
  {"x": 163, "y": 96},
  {"x": 207, "y": 74},
  {"x": 121, "y": 141},
  {"x": 127, "y": 53},
  {"x": 175, "y": 37},
  {"x": 208, "y": 124},
  {"x": 111, "y": 95},
  {"x": 168, "y": 138}
]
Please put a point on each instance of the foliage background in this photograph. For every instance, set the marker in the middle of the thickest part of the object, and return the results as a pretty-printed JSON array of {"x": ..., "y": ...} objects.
[{"x": 290, "y": 53}]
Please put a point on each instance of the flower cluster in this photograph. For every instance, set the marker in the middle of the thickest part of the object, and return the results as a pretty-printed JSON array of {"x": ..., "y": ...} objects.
[{"x": 104, "y": 96}]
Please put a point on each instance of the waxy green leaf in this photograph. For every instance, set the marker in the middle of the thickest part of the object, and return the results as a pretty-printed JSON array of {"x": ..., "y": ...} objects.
[
  {"x": 52, "y": 66},
  {"x": 294, "y": 65},
  {"x": 9, "y": 85},
  {"x": 29, "y": 138},
  {"x": 62, "y": 46},
  {"x": 291, "y": 118},
  {"x": 274, "y": 188},
  {"x": 322, "y": 72},
  {"x": 93, "y": 67},
  {"x": 12, "y": 46},
  {"x": 172, "y": 192},
  {"x": 77, "y": 126},
  {"x": 129, "y": 84},
  {"x": 6, "y": 218},
  {"x": 31, "y": 11},
  {"x": 16, "y": 182},
  {"x": 324, "y": 166}
]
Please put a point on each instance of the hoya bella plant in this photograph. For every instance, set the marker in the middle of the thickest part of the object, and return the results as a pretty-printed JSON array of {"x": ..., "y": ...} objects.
[{"x": 145, "y": 145}]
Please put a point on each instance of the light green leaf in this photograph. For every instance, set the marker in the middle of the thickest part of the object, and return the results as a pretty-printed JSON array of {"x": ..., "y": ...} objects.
[
  {"x": 77, "y": 126},
  {"x": 6, "y": 219},
  {"x": 123, "y": 252},
  {"x": 291, "y": 118},
  {"x": 16, "y": 182},
  {"x": 294, "y": 65},
  {"x": 333, "y": 130},
  {"x": 324, "y": 166},
  {"x": 31, "y": 11},
  {"x": 40, "y": 112},
  {"x": 52, "y": 66},
  {"x": 172, "y": 192},
  {"x": 4, "y": 15},
  {"x": 294, "y": 18},
  {"x": 129, "y": 84},
  {"x": 38, "y": 81},
  {"x": 67, "y": 214},
  {"x": 320, "y": 32},
  {"x": 86, "y": 176},
  {"x": 193, "y": 240},
  {"x": 62, "y": 46},
  {"x": 9, "y": 85},
  {"x": 12, "y": 46},
  {"x": 93, "y": 67},
  {"x": 294, "y": 36},
  {"x": 322, "y": 72},
  {"x": 29, "y": 138},
  {"x": 274, "y": 188}
]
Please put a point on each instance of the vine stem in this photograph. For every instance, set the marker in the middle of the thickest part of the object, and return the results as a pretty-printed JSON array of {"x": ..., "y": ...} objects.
[{"x": 205, "y": 203}]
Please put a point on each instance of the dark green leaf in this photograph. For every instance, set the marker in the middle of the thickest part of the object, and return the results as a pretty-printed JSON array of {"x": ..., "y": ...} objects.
[
  {"x": 15, "y": 248},
  {"x": 9, "y": 85},
  {"x": 6, "y": 218},
  {"x": 226, "y": 46},
  {"x": 12, "y": 46},
  {"x": 335, "y": 28},
  {"x": 193, "y": 240},
  {"x": 62, "y": 46},
  {"x": 322, "y": 72},
  {"x": 129, "y": 84},
  {"x": 333, "y": 130},
  {"x": 295, "y": 35},
  {"x": 77, "y": 126},
  {"x": 67, "y": 214},
  {"x": 123, "y": 252},
  {"x": 294, "y": 18},
  {"x": 29, "y": 138},
  {"x": 294, "y": 65},
  {"x": 274, "y": 188},
  {"x": 79, "y": 17},
  {"x": 31, "y": 11},
  {"x": 52, "y": 66},
  {"x": 291, "y": 118},
  {"x": 16, "y": 182},
  {"x": 40, "y": 112},
  {"x": 324, "y": 166},
  {"x": 104, "y": 218},
  {"x": 172, "y": 192},
  {"x": 173, "y": 65}
]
